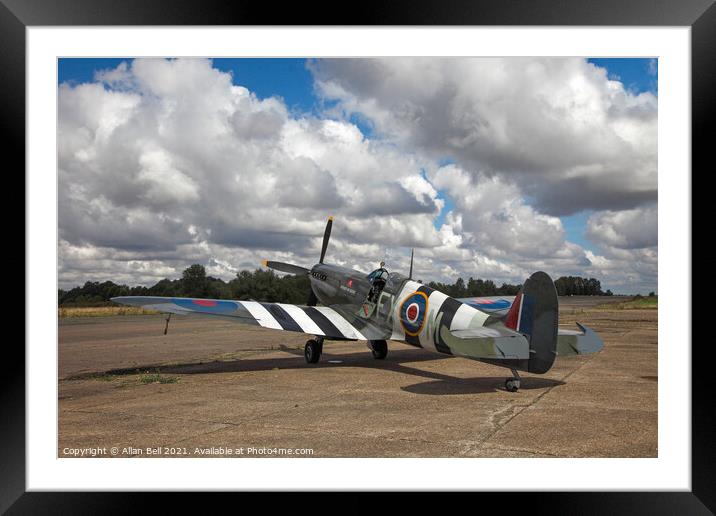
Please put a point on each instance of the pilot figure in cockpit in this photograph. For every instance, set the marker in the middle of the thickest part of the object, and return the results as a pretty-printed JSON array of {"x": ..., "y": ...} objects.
[{"x": 377, "y": 279}]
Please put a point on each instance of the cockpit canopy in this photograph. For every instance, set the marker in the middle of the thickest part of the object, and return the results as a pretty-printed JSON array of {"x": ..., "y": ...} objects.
[
  {"x": 384, "y": 280},
  {"x": 378, "y": 274}
]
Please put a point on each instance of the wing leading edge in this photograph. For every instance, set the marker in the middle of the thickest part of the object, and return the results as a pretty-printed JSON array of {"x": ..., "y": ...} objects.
[{"x": 318, "y": 320}]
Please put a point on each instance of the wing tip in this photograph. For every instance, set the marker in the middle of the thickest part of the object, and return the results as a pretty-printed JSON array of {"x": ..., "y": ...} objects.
[
  {"x": 264, "y": 263},
  {"x": 592, "y": 342},
  {"x": 330, "y": 218}
]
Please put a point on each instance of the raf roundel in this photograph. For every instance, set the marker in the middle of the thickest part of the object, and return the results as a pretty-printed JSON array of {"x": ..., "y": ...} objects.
[{"x": 412, "y": 313}]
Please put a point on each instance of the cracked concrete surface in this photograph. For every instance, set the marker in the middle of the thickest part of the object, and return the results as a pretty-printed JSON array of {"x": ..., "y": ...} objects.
[{"x": 237, "y": 386}]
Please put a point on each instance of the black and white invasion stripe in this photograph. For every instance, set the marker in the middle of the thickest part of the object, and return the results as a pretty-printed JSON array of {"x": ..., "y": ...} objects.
[{"x": 320, "y": 320}]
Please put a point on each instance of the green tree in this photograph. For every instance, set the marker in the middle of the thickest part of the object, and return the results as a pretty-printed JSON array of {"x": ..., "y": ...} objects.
[
  {"x": 459, "y": 289},
  {"x": 194, "y": 282},
  {"x": 575, "y": 286}
]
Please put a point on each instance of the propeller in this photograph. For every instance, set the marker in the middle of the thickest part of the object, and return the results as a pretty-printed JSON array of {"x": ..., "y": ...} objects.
[
  {"x": 285, "y": 267},
  {"x": 326, "y": 237},
  {"x": 297, "y": 269},
  {"x": 312, "y": 299},
  {"x": 412, "y": 252}
]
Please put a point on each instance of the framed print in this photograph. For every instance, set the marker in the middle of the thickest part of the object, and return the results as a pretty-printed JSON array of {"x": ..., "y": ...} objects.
[{"x": 416, "y": 253}]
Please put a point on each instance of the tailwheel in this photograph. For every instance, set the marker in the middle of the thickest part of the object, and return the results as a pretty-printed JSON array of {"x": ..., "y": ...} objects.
[
  {"x": 379, "y": 349},
  {"x": 312, "y": 351},
  {"x": 513, "y": 384}
]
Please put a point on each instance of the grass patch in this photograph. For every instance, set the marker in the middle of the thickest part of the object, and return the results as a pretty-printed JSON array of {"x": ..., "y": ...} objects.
[
  {"x": 635, "y": 303},
  {"x": 102, "y": 311},
  {"x": 128, "y": 377},
  {"x": 104, "y": 377},
  {"x": 157, "y": 378}
]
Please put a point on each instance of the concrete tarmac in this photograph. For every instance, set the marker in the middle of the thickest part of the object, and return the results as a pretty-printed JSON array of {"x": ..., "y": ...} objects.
[{"x": 212, "y": 386}]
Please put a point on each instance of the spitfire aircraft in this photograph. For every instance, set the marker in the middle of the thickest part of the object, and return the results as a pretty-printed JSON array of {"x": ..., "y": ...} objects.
[{"x": 517, "y": 332}]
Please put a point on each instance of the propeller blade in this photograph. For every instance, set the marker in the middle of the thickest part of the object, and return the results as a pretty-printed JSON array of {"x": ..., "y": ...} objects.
[
  {"x": 285, "y": 267},
  {"x": 326, "y": 237},
  {"x": 412, "y": 252}
]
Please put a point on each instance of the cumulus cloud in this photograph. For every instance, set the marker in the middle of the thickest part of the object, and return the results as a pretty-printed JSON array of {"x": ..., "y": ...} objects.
[
  {"x": 163, "y": 155},
  {"x": 496, "y": 218},
  {"x": 568, "y": 135},
  {"x": 630, "y": 271},
  {"x": 164, "y": 163},
  {"x": 628, "y": 229},
  {"x": 629, "y": 243}
]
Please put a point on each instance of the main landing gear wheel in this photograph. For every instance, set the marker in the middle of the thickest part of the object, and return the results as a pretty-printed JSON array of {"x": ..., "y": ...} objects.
[
  {"x": 379, "y": 349},
  {"x": 513, "y": 384},
  {"x": 312, "y": 351}
]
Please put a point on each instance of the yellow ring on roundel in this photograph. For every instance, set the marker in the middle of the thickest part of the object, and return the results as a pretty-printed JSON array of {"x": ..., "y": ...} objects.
[{"x": 422, "y": 321}]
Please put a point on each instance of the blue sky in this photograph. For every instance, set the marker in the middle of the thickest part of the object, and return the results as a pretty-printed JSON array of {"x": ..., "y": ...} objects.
[
  {"x": 286, "y": 78},
  {"x": 638, "y": 75},
  {"x": 291, "y": 80}
]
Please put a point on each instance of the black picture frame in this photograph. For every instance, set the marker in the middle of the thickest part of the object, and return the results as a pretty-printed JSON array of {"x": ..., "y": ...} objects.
[{"x": 700, "y": 15}]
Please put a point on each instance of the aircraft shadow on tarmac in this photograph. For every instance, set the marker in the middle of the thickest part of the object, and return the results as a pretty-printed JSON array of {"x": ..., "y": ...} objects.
[
  {"x": 440, "y": 384},
  {"x": 482, "y": 384}
]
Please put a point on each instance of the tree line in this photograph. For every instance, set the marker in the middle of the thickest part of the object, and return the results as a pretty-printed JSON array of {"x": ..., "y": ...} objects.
[
  {"x": 265, "y": 285},
  {"x": 475, "y": 288},
  {"x": 575, "y": 286}
]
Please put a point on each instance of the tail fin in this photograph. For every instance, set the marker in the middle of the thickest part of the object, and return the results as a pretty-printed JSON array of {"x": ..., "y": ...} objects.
[{"x": 534, "y": 313}]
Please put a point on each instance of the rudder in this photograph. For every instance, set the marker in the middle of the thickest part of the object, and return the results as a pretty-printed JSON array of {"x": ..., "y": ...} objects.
[{"x": 534, "y": 313}]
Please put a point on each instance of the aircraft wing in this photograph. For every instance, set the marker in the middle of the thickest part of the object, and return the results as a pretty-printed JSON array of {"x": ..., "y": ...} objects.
[
  {"x": 313, "y": 320},
  {"x": 493, "y": 305},
  {"x": 584, "y": 342}
]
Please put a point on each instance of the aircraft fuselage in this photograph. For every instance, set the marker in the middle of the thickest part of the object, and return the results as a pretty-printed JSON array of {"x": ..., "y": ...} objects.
[{"x": 404, "y": 309}]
